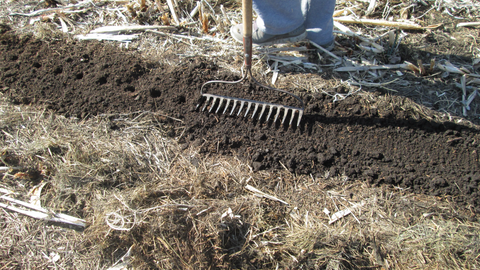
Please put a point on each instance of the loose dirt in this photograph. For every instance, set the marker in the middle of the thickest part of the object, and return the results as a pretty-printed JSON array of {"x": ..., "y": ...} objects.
[{"x": 355, "y": 138}]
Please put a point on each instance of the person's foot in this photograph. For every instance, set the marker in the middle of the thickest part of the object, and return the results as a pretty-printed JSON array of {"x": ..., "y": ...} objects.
[
  {"x": 261, "y": 38},
  {"x": 328, "y": 46}
]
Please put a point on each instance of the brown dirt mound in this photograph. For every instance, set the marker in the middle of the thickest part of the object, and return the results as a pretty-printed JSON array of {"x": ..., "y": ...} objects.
[{"x": 354, "y": 138}]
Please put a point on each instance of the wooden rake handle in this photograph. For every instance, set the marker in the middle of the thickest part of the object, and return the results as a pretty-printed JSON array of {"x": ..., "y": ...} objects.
[
  {"x": 247, "y": 32},
  {"x": 247, "y": 17}
]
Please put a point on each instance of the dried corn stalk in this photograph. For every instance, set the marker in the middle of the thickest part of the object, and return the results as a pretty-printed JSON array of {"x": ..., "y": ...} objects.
[{"x": 402, "y": 25}]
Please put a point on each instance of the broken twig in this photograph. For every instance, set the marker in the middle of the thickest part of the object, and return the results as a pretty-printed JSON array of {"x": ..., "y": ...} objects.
[
  {"x": 402, "y": 25},
  {"x": 116, "y": 29},
  {"x": 262, "y": 194},
  {"x": 40, "y": 212}
]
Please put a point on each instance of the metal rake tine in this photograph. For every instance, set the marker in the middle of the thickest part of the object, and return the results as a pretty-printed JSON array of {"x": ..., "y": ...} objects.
[
  {"x": 285, "y": 114},
  {"x": 234, "y": 106},
  {"x": 255, "y": 110},
  {"x": 213, "y": 104},
  {"x": 293, "y": 114},
  {"x": 261, "y": 112},
  {"x": 300, "y": 114},
  {"x": 226, "y": 105},
  {"x": 242, "y": 103},
  {"x": 220, "y": 104},
  {"x": 206, "y": 103},
  {"x": 278, "y": 113},
  {"x": 248, "y": 108},
  {"x": 269, "y": 112}
]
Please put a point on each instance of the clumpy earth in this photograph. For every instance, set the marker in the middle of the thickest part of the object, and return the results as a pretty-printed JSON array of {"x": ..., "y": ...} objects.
[{"x": 352, "y": 138}]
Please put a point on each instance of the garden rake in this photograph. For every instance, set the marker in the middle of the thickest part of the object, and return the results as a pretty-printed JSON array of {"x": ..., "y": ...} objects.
[{"x": 224, "y": 102}]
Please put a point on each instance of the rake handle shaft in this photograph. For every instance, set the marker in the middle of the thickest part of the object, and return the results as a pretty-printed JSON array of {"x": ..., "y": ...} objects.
[{"x": 247, "y": 32}]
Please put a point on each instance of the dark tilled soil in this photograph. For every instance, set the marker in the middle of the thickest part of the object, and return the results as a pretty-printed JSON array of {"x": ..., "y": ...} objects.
[{"x": 352, "y": 138}]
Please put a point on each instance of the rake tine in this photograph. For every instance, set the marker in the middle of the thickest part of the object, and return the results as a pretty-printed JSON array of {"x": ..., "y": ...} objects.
[
  {"x": 242, "y": 103},
  {"x": 276, "y": 115},
  {"x": 293, "y": 115},
  {"x": 220, "y": 104},
  {"x": 226, "y": 105},
  {"x": 206, "y": 103},
  {"x": 213, "y": 104},
  {"x": 255, "y": 111},
  {"x": 234, "y": 106},
  {"x": 300, "y": 114},
  {"x": 269, "y": 113},
  {"x": 285, "y": 114},
  {"x": 248, "y": 108},
  {"x": 263, "y": 110}
]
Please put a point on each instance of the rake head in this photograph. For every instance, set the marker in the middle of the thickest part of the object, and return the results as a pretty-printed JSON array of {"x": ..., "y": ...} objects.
[
  {"x": 231, "y": 103},
  {"x": 219, "y": 102}
]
